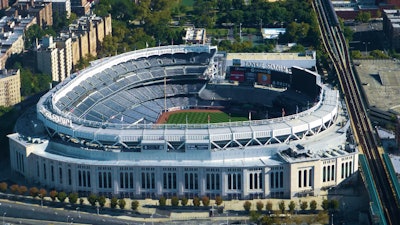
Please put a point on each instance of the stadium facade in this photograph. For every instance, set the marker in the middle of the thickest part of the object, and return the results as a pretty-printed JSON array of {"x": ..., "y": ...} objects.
[{"x": 98, "y": 131}]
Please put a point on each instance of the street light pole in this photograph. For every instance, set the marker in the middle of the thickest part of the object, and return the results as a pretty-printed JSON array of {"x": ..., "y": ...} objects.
[{"x": 4, "y": 214}]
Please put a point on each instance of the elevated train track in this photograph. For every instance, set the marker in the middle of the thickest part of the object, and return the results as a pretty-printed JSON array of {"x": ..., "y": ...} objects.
[{"x": 337, "y": 49}]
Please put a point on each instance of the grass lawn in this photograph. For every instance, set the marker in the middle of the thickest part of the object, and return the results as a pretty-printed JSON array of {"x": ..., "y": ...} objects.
[{"x": 202, "y": 117}]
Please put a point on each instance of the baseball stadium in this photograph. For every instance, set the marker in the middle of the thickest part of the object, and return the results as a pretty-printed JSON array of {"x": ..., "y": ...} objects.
[{"x": 179, "y": 121}]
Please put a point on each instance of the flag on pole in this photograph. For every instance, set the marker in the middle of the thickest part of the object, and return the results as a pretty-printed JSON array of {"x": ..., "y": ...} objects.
[
  {"x": 297, "y": 109},
  {"x": 147, "y": 44},
  {"x": 250, "y": 115},
  {"x": 283, "y": 112},
  {"x": 208, "y": 118},
  {"x": 186, "y": 119},
  {"x": 122, "y": 118}
]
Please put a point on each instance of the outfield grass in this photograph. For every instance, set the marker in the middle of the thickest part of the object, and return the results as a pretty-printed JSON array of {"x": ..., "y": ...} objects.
[{"x": 202, "y": 117}]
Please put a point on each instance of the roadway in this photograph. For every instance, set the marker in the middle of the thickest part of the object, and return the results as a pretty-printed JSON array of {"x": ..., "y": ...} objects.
[{"x": 337, "y": 49}]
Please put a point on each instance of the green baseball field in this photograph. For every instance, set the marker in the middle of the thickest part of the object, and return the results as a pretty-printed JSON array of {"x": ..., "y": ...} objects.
[{"x": 202, "y": 117}]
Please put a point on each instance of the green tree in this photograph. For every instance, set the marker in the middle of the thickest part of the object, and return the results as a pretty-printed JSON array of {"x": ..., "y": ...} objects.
[
  {"x": 92, "y": 199},
  {"x": 53, "y": 195},
  {"x": 134, "y": 205},
  {"x": 259, "y": 206},
  {"x": 247, "y": 206},
  {"x": 184, "y": 201},
  {"x": 102, "y": 201},
  {"x": 313, "y": 205},
  {"x": 292, "y": 206},
  {"x": 73, "y": 197},
  {"x": 162, "y": 201},
  {"x": 325, "y": 204},
  {"x": 205, "y": 200},
  {"x": 334, "y": 205},
  {"x": 268, "y": 207},
  {"x": 196, "y": 201},
  {"x": 174, "y": 201},
  {"x": 113, "y": 202},
  {"x": 218, "y": 200},
  {"x": 304, "y": 205},
  {"x": 363, "y": 17},
  {"x": 33, "y": 191},
  {"x": 3, "y": 187},
  {"x": 121, "y": 203},
  {"x": 61, "y": 196},
  {"x": 281, "y": 206}
]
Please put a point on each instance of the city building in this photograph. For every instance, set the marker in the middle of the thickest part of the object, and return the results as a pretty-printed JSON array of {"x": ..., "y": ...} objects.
[
  {"x": 195, "y": 35},
  {"x": 99, "y": 131},
  {"x": 41, "y": 10},
  {"x": 10, "y": 86},
  {"x": 350, "y": 9},
  {"x": 80, "y": 7},
  {"x": 62, "y": 7},
  {"x": 391, "y": 27},
  {"x": 50, "y": 59},
  {"x": 12, "y": 31},
  {"x": 4, "y": 4}
]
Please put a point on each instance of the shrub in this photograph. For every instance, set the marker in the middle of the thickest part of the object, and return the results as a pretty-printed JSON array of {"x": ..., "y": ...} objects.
[
  {"x": 282, "y": 206},
  {"x": 53, "y": 195},
  {"x": 292, "y": 207},
  {"x": 102, "y": 201},
  {"x": 174, "y": 201},
  {"x": 259, "y": 206},
  {"x": 134, "y": 205},
  {"x": 61, "y": 196},
  {"x": 113, "y": 202},
  {"x": 3, "y": 187},
  {"x": 42, "y": 193},
  {"x": 33, "y": 191},
  {"x": 325, "y": 204},
  {"x": 313, "y": 205},
  {"x": 304, "y": 205},
  {"x": 268, "y": 206},
  {"x": 121, "y": 203},
  {"x": 205, "y": 200},
  {"x": 247, "y": 206},
  {"x": 22, "y": 190},
  {"x": 14, "y": 188},
  {"x": 162, "y": 201},
  {"x": 218, "y": 200},
  {"x": 73, "y": 197},
  {"x": 196, "y": 201},
  {"x": 184, "y": 201},
  {"x": 92, "y": 199}
]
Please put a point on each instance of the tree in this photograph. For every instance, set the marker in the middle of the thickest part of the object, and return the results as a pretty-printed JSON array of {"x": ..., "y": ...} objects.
[
  {"x": 247, "y": 206},
  {"x": 53, "y": 195},
  {"x": 102, "y": 201},
  {"x": 268, "y": 207},
  {"x": 42, "y": 193},
  {"x": 304, "y": 205},
  {"x": 33, "y": 191},
  {"x": 61, "y": 196},
  {"x": 92, "y": 199},
  {"x": 113, "y": 202},
  {"x": 281, "y": 206},
  {"x": 313, "y": 205},
  {"x": 135, "y": 204},
  {"x": 334, "y": 205},
  {"x": 121, "y": 203},
  {"x": 162, "y": 201},
  {"x": 292, "y": 206},
  {"x": 205, "y": 200},
  {"x": 22, "y": 190},
  {"x": 174, "y": 201},
  {"x": 196, "y": 201},
  {"x": 325, "y": 204},
  {"x": 363, "y": 17},
  {"x": 218, "y": 200},
  {"x": 3, "y": 187},
  {"x": 184, "y": 201},
  {"x": 73, "y": 197},
  {"x": 14, "y": 188},
  {"x": 259, "y": 206}
]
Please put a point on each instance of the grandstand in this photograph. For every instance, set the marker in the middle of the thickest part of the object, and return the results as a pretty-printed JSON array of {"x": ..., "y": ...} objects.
[{"x": 102, "y": 134}]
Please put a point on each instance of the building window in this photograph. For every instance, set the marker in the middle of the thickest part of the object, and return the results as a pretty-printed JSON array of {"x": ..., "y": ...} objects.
[
  {"x": 60, "y": 177},
  {"x": 323, "y": 174},
  {"x": 310, "y": 178},
  {"x": 342, "y": 170},
  {"x": 305, "y": 178},
  {"x": 44, "y": 171},
  {"x": 69, "y": 177},
  {"x": 272, "y": 180},
  {"x": 333, "y": 173},
  {"x": 299, "y": 178},
  {"x": 121, "y": 180},
  {"x": 100, "y": 181},
  {"x": 79, "y": 178},
  {"x": 52, "y": 173}
]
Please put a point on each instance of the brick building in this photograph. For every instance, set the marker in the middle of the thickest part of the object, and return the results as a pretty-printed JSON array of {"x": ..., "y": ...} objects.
[{"x": 10, "y": 86}]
